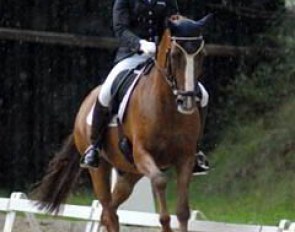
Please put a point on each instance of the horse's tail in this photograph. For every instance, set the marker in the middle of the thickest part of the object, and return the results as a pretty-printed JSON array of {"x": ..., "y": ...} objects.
[{"x": 62, "y": 173}]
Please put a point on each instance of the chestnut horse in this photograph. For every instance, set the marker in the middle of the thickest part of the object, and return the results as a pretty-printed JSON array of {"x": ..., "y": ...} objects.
[{"x": 162, "y": 122}]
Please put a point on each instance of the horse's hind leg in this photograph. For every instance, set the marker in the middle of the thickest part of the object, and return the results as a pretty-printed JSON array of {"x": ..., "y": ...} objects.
[
  {"x": 147, "y": 166},
  {"x": 101, "y": 178},
  {"x": 184, "y": 170},
  {"x": 123, "y": 188}
]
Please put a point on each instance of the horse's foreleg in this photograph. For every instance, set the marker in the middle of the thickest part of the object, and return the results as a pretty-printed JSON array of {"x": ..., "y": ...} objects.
[
  {"x": 184, "y": 170},
  {"x": 101, "y": 178},
  {"x": 146, "y": 165},
  {"x": 123, "y": 188}
]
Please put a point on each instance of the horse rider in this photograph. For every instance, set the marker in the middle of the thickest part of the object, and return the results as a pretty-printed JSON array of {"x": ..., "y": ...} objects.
[{"x": 138, "y": 24}]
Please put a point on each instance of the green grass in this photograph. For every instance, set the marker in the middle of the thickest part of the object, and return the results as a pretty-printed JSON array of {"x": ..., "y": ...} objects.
[
  {"x": 84, "y": 197},
  {"x": 242, "y": 206}
]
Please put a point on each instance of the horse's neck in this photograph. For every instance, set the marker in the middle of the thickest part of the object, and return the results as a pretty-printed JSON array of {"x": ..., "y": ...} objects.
[
  {"x": 155, "y": 91},
  {"x": 162, "y": 92},
  {"x": 160, "y": 85}
]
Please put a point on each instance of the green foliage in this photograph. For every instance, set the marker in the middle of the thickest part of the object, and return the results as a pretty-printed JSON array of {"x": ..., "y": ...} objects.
[{"x": 257, "y": 93}]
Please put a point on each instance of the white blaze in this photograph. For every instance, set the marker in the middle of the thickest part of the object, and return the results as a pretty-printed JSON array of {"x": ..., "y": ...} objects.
[{"x": 189, "y": 73}]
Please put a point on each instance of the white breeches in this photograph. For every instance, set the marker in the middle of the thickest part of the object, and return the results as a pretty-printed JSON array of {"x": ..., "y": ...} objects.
[{"x": 129, "y": 63}]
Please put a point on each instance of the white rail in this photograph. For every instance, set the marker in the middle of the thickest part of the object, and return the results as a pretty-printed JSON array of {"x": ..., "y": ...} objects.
[{"x": 19, "y": 203}]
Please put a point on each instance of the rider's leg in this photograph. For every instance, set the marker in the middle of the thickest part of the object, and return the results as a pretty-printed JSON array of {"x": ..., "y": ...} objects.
[
  {"x": 100, "y": 119},
  {"x": 101, "y": 114},
  {"x": 201, "y": 161}
]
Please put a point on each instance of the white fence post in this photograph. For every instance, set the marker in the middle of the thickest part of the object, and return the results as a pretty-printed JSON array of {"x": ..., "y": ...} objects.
[
  {"x": 92, "y": 226},
  {"x": 10, "y": 217},
  {"x": 196, "y": 215},
  {"x": 287, "y": 226},
  {"x": 9, "y": 220},
  {"x": 292, "y": 227},
  {"x": 284, "y": 224}
]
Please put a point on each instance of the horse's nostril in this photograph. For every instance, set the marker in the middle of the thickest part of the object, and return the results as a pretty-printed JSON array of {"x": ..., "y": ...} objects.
[{"x": 179, "y": 100}]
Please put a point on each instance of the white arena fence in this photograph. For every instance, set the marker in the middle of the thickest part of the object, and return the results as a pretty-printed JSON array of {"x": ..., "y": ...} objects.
[{"x": 18, "y": 202}]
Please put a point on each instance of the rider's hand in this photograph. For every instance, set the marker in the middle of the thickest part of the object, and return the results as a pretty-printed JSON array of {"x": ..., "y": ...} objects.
[{"x": 147, "y": 47}]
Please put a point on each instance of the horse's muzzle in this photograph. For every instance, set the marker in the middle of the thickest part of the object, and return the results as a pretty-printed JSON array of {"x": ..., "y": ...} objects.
[{"x": 185, "y": 104}]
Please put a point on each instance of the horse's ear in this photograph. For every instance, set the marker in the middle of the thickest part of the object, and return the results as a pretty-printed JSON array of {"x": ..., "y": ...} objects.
[{"x": 202, "y": 22}]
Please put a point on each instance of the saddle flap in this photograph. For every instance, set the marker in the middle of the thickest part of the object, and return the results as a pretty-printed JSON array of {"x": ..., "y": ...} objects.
[{"x": 119, "y": 88}]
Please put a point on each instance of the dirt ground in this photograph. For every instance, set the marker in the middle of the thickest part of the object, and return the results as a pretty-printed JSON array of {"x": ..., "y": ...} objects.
[{"x": 56, "y": 225}]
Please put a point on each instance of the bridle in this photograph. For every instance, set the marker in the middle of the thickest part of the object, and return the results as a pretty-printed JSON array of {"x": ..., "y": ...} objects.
[{"x": 184, "y": 98}]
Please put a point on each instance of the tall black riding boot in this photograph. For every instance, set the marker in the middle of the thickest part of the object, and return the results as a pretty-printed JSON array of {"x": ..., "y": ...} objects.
[
  {"x": 201, "y": 161},
  {"x": 100, "y": 119}
]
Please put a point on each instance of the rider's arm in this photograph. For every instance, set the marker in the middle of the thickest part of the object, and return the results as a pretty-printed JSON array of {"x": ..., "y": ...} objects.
[{"x": 121, "y": 24}]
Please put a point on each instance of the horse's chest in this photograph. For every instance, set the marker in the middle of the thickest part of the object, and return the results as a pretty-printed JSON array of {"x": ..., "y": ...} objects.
[
  {"x": 167, "y": 149},
  {"x": 169, "y": 141}
]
